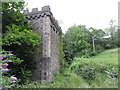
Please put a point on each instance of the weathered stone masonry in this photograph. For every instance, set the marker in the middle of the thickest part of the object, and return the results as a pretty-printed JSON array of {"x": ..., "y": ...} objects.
[{"x": 47, "y": 27}]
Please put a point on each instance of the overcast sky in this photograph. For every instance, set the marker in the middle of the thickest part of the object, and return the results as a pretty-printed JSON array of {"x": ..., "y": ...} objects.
[{"x": 92, "y": 13}]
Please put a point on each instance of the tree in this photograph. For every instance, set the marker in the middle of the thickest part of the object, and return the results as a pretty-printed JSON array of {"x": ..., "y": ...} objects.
[
  {"x": 96, "y": 38},
  {"x": 75, "y": 42},
  {"x": 18, "y": 38},
  {"x": 112, "y": 31},
  {"x": 78, "y": 42}
]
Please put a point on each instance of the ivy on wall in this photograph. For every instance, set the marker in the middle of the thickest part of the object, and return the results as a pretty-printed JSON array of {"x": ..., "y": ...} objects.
[{"x": 61, "y": 53}]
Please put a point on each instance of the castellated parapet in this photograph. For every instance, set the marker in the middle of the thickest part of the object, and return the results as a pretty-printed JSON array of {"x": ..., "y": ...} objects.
[{"x": 47, "y": 60}]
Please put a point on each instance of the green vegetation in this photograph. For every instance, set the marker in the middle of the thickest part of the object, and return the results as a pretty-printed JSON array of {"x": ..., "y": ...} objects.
[
  {"x": 85, "y": 73},
  {"x": 85, "y": 60},
  {"x": 80, "y": 41},
  {"x": 59, "y": 81},
  {"x": 61, "y": 53},
  {"x": 96, "y": 70},
  {"x": 18, "y": 38}
]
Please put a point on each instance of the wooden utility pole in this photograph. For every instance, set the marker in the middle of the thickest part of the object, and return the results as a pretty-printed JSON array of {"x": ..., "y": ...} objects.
[{"x": 93, "y": 39}]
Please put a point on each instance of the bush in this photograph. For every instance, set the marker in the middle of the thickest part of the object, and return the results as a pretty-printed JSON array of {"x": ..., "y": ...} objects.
[
  {"x": 18, "y": 38},
  {"x": 5, "y": 61}
]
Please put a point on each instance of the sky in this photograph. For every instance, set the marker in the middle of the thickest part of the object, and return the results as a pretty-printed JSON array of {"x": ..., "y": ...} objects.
[{"x": 92, "y": 13}]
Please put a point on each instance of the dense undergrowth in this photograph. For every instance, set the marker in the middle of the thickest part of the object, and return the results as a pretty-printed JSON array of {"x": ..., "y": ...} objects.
[{"x": 99, "y": 71}]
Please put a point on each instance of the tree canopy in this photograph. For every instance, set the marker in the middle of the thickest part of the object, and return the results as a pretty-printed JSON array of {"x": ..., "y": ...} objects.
[{"x": 18, "y": 37}]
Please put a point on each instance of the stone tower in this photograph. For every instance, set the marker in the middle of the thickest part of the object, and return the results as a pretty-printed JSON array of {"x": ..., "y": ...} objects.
[{"x": 47, "y": 60}]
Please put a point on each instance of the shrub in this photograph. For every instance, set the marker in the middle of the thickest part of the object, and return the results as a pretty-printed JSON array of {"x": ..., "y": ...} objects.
[
  {"x": 18, "y": 37},
  {"x": 6, "y": 80}
]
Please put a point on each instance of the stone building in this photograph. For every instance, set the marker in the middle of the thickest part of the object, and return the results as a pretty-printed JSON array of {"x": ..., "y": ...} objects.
[{"x": 47, "y": 60}]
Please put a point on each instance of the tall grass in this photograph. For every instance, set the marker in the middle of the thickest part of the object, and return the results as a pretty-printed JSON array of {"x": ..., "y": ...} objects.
[
  {"x": 70, "y": 80},
  {"x": 98, "y": 71}
]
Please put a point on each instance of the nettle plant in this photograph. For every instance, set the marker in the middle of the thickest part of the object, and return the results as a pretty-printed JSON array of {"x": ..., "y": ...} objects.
[{"x": 6, "y": 79}]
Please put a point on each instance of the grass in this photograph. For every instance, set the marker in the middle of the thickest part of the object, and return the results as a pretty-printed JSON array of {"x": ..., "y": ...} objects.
[
  {"x": 96, "y": 70},
  {"x": 85, "y": 73},
  {"x": 108, "y": 56}
]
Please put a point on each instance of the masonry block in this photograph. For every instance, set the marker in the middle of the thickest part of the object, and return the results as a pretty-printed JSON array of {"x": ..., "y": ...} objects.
[{"x": 47, "y": 60}]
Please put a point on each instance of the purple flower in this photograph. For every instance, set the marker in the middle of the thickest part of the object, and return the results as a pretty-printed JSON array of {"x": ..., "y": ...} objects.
[
  {"x": 9, "y": 60},
  {"x": 10, "y": 54},
  {"x": 13, "y": 81},
  {"x": 13, "y": 78},
  {"x": 5, "y": 70},
  {"x": 1, "y": 57},
  {"x": 4, "y": 64}
]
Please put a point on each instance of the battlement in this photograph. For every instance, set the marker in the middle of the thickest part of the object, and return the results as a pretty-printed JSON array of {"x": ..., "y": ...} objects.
[
  {"x": 35, "y": 11},
  {"x": 46, "y": 11}
]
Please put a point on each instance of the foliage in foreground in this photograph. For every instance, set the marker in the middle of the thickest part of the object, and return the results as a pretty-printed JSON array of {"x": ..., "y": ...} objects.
[
  {"x": 5, "y": 72},
  {"x": 18, "y": 38}
]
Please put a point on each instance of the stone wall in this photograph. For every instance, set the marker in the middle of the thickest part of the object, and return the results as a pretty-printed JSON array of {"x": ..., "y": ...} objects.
[{"x": 47, "y": 60}]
